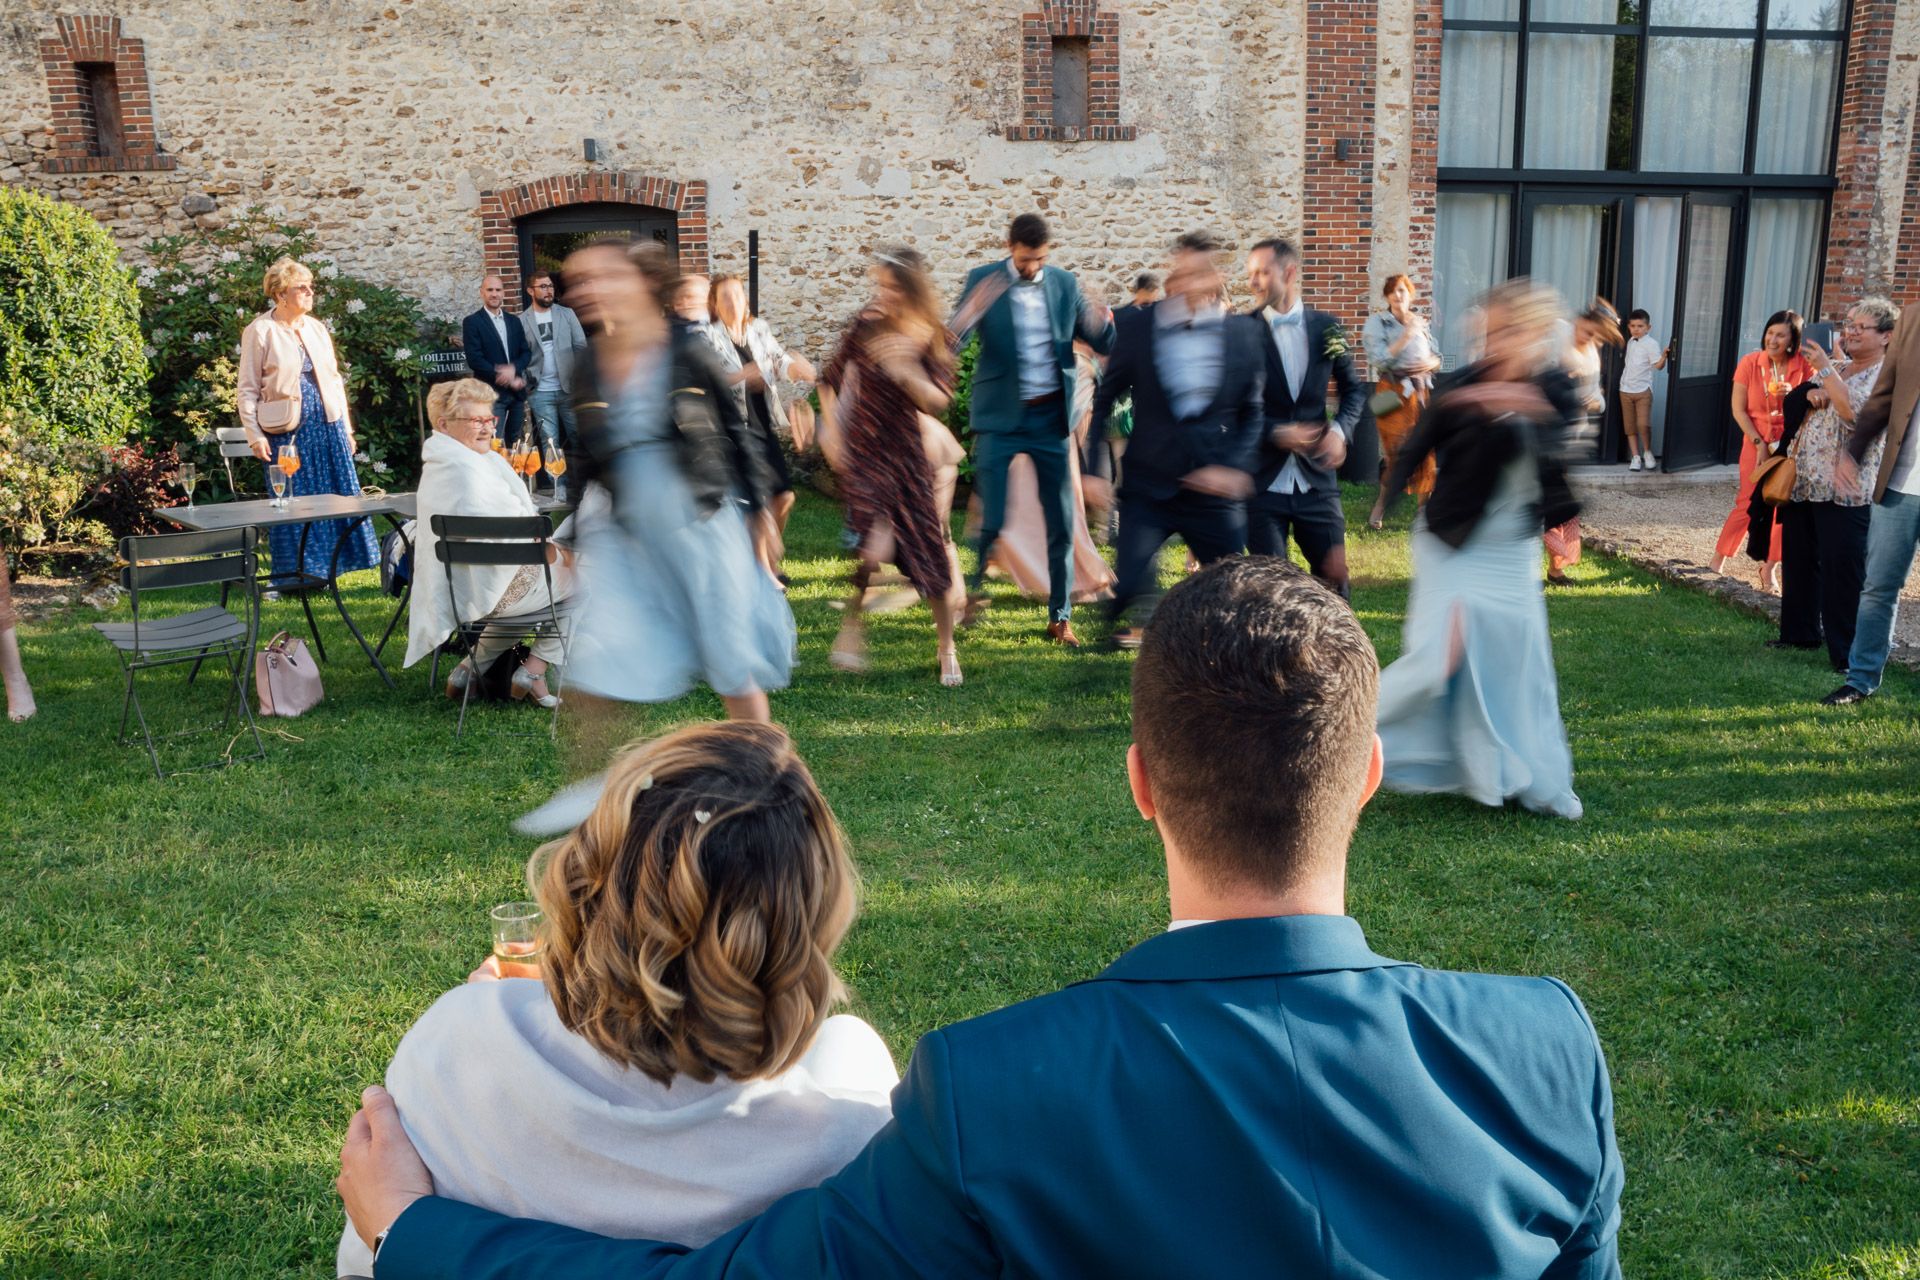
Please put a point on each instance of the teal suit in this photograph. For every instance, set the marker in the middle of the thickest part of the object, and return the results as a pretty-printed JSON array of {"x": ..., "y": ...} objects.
[
  {"x": 1006, "y": 425},
  {"x": 1245, "y": 1098}
]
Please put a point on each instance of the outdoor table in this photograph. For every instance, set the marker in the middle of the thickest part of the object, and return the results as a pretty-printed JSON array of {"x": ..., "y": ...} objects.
[{"x": 261, "y": 513}]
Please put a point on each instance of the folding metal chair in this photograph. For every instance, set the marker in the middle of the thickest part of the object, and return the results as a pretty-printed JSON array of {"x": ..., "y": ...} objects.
[
  {"x": 496, "y": 540},
  {"x": 166, "y": 562},
  {"x": 233, "y": 444}
]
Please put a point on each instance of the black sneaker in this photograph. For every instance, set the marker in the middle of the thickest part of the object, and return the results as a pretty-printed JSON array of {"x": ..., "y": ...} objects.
[
  {"x": 1845, "y": 696},
  {"x": 1792, "y": 644}
]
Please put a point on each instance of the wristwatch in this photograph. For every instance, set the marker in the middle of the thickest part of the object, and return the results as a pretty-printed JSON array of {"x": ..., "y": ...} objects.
[{"x": 379, "y": 1240}]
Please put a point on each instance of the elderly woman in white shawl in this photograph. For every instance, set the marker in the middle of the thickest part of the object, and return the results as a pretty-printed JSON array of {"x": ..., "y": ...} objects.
[{"x": 463, "y": 476}]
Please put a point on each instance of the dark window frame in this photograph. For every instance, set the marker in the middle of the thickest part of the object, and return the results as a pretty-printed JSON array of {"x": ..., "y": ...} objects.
[{"x": 106, "y": 136}]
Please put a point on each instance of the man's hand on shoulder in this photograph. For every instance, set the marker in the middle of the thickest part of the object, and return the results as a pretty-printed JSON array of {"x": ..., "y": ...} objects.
[{"x": 380, "y": 1172}]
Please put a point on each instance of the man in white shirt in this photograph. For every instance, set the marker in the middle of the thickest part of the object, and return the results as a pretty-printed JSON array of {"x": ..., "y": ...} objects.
[
  {"x": 555, "y": 341},
  {"x": 1644, "y": 355},
  {"x": 1893, "y": 536},
  {"x": 497, "y": 352},
  {"x": 1296, "y": 491}
]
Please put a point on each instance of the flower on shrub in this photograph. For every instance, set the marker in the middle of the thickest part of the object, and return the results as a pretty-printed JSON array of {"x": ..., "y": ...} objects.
[
  {"x": 229, "y": 255},
  {"x": 181, "y": 287},
  {"x": 355, "y": 306},
  {"x": 202, "y": 336},
  {"x": 403, "y": 353}
]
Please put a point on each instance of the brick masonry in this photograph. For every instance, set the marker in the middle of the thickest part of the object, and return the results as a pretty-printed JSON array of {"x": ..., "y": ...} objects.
[
  {"x": 1337, "y": 235},
  {"x": 1852, "y": 268},
  {"x": 97, "y": 40},
  {"x": 1075, "y": 19},
  {"x": 500, "y": 210}
]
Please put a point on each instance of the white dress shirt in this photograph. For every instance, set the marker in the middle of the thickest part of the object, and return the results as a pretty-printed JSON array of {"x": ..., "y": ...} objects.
[
  {"x": 1289, "y": 331},
  {"x": 499, "y": 319},
  {"x": 1190, "y": 353},
  {"x": 1636, "y": 372},
  {"x": 1033, "y": 333}
]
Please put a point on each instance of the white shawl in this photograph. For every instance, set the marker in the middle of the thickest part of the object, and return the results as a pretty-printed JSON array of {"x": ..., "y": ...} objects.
[{"x": 456, "y": 481}]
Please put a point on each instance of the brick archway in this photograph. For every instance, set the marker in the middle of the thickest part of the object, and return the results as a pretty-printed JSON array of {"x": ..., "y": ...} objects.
[{"x": 500, "y": 209}]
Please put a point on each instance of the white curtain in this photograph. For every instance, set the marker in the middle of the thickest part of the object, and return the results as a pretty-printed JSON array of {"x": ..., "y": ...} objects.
[
  {"x": 1469, "y": 257},
  {"x": 1656, "y": 275},
  {"x": 1569, "y": 98},
  {"x": 1709, "y": 245},
  {"x": 1566, "y": 250},
  {"x": 1796, "y": 106},
  {"x": 1477, "y": 74},
  {"x": 1706, "y": 13},
  {"x": 1805, "y": 15},
  {"x": 1696, "y": 104},
  {"x": 1575, "y": 10},
  {"x": 1782, "y": 245},
  {"x": 1482, "y": 10}
]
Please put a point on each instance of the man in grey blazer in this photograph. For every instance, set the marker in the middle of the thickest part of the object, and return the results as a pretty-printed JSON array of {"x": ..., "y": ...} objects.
[{"x": 555, "y": 341}]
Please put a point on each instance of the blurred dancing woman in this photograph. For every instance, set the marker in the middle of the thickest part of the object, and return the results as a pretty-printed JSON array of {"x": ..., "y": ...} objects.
[
  {"x": 893, "y": 366},
  {"x": 1598, "y": 324},
  {"x": 1473, "y": 704},
  {"x": 19, "y": 693},
  {"x": 673, "y": 520}
]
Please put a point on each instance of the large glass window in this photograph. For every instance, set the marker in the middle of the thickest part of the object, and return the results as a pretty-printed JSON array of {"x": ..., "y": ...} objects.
[
  {"x": 1794, "y": 133},
  {"x": 1706, "y": 13},
  {"x": 1783, "y": 261},
  {"x": 1469, "y": 257},
  {"x": 1579, "y": 101},
  {"x": 1696, "y": 116},
  {"x": 1476, "y": 98}
]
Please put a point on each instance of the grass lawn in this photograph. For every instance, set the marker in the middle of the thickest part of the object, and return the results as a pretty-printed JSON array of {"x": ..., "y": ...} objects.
[{"x": 202, "y": 973}]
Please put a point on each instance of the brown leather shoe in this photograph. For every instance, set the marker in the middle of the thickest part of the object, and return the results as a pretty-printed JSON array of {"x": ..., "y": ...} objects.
[{"x": 1062, "y": 633}]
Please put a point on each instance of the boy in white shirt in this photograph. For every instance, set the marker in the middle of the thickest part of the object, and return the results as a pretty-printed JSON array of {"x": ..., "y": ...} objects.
[{"x": 1644, "y": 355}]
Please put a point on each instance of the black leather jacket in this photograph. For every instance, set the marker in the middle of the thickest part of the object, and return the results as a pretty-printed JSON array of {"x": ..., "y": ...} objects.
[{"x": 716, "y": 451}]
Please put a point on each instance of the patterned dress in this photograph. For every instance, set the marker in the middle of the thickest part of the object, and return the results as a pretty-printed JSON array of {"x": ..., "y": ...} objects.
[
  {"x": 887, "y": 480},
  {"x": 325, "y": 467}
]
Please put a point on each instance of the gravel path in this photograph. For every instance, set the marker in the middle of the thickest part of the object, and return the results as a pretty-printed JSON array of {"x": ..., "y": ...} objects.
[{"x": 1667, "y": 525}]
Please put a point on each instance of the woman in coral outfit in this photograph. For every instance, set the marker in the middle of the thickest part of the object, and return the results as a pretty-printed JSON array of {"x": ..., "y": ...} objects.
[{"x": 1760, "y": 385}]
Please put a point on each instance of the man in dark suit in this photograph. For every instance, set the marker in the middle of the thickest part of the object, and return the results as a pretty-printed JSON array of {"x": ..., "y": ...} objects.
[
  {"x": 1253, "y": 1092},
  {"x": 1194, "y": 370},
  {"x": 1296, "y": 490},
  {"x": 1027, "y": 315},
  {"x": 497, "y": 352}
]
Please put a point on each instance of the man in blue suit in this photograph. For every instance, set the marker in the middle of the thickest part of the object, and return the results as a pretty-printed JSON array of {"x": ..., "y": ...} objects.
[
  {"x": 1027, "y": 315},
  {"x": 1195, "y": 373},
  {"x": 497, "y": 352},
  {"x": 1254, "y": 1092}
]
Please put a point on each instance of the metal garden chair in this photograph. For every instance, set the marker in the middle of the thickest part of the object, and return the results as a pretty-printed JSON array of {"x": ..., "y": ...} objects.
[
  {"x": 171, "y": 561},
  {"x": 496, "y": 540}
]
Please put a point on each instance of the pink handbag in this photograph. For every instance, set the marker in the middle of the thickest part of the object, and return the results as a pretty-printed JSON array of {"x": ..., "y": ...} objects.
[{"x": 285, "y": 677}]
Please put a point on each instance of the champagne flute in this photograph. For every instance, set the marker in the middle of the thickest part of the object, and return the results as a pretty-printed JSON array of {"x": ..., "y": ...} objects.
[
  {"x": 277, "y": 481},
  {"x": 516, "y": 939},
  {"x": 187, "y": 476}
]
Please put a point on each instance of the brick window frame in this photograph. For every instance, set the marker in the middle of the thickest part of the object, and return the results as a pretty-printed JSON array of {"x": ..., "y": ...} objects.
[
  {"x": 500, "y": 243},
  {"x": 1073, "y": 20},
  {"x": 97, "y": 40}
]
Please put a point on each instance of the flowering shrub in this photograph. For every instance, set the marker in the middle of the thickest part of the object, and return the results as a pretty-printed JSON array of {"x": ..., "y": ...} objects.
[
  {"x": 133, "y": 483},
  {"x": 201, "y": 289}
]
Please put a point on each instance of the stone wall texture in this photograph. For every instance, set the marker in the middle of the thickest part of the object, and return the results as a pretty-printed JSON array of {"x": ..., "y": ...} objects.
[{"x": 829, "y": 126}]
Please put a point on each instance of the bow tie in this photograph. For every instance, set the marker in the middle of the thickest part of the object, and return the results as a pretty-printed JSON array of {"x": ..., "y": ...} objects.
[
  {"x": 1291, "y": 320},
  {"x": 1021, "y": 282}
]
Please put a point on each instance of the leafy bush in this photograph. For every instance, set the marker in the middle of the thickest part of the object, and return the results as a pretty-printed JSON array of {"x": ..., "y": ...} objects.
[
  {"x": 959, "y": 415},
  {"x": 135, "y": 482},
  {"x": 199, "y": 290},
  {"x": 72, "y": 376}
]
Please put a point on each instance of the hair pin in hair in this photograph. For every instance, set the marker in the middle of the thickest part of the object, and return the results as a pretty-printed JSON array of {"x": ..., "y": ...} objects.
[
  {"x": 646, "y": 782},
  {"x": 701, "y": 816}
]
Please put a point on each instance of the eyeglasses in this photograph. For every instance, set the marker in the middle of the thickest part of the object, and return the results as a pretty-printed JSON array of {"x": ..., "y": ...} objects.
[
  {"x": 486, "y": 419},
  {"x": 302, "y": 288}
]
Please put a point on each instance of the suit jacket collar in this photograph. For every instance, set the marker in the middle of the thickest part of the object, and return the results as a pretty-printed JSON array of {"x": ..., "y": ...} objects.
[{"x": 1273, "y": 946}]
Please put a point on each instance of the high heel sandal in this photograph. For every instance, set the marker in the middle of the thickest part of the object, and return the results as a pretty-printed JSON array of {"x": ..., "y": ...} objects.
[
  {"x": 849, "y": 652},
  {"x": 523, "y": 687},
  {"x": 950, "y": 667}
]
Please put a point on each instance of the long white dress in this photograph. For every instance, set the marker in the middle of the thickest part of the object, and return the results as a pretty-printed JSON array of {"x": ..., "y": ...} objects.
[{"x": 1473, "y": 704}]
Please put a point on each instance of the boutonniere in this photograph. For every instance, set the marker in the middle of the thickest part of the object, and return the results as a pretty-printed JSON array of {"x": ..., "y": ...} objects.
[{"x": 1336, "y": 344}]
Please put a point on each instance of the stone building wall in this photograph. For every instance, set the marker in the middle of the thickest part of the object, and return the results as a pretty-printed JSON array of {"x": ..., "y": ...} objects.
[{"x": 828, "y": 126}]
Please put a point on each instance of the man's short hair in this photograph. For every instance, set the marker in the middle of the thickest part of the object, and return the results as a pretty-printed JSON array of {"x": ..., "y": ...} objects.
[
  {"x": 1199, "y": 240},
  {"x": 1253, "y": 708},
  {"x": 1283, "y": 251},
  {"x": 1030, "y": 231},
  {"x": 537, "y": 277},
  {"x": 1146, "y": 282},
  {"x": 1639, "y": 313}
]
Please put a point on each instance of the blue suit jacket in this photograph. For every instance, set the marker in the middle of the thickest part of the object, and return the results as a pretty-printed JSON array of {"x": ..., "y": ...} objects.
[
  {"x": 1281, "y": 408},
  {"x": 996, "y": 403},
  {"x": 481, "y": 341},
  {"x": 1250, "y": 1097}
]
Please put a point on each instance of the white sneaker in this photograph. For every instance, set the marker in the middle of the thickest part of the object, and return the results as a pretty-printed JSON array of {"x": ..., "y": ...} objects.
[
  {"x": 1647, "y": 457},
  {"x": 567, "y": 809},
  {"x": 1635, "y": 464}
]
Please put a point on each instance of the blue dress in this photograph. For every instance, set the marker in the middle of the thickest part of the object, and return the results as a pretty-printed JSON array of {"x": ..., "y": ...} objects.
[
  {"x": 1487, "y": 725},
  {"x": 325, "y": 467},
  {"x": 673, "y": 598}
]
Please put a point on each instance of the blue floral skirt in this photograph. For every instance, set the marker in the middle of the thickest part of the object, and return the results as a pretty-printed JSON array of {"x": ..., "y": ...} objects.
[{"x": 325, "y": 467}]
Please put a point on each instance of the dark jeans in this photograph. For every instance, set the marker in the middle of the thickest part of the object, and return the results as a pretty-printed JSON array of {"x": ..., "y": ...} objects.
[
  {"x": 1213, "y": 529},
  {"x": 509, "y": 408},
  {"x": 1823, "y": 565},
  {"x": 1314, "y": 519},
  {"x": 1040, "y": 439}
]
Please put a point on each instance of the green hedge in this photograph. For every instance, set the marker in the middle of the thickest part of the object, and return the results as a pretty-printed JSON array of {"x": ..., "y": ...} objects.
[{"x": 73, "y": 379}]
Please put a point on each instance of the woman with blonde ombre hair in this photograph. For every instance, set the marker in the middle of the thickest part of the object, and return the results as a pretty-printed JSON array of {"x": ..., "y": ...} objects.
[
  {"x": 675, "y": 1070},
  {"x": 291, "y": 392}
]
